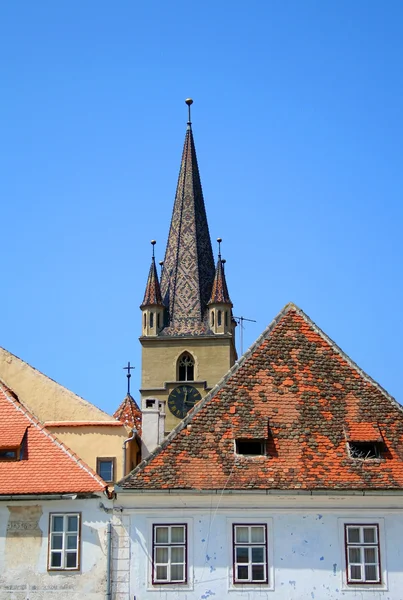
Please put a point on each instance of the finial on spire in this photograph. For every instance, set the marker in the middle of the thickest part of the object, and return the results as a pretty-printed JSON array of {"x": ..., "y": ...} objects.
[
  {"x": 161, "y": 264},
  {"x": 189, "y": 102},
  {"x": 153, "y": 242},
  {"x": 128, "y": 369},
  {"x": 219, "y": 240}
]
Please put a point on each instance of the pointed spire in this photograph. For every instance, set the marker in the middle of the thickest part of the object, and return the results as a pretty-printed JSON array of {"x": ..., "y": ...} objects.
[
  {"x": 152, "y": 295},
  {"x": 188, "y": 272},
  {"x": 219, "y": 293}
]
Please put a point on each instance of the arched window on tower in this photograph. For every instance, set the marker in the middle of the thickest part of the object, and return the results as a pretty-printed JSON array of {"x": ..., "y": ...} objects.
[
  {"x": 186, "y": 367},
  {"x": 219, "y": 318},
  {"x": 151, "y": 319}
]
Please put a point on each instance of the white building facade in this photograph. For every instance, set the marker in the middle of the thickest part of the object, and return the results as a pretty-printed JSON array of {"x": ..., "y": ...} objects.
[{"x": 263, "y": 545}]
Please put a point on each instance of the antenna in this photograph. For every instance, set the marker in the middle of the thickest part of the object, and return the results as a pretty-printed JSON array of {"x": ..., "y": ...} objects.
[{"x": 240, "y": 320}]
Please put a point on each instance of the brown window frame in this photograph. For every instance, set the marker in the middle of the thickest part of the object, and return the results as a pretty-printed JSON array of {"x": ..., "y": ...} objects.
[
  {"x": 236, "y": 544},
  {"x": 347, "y": 545},
  {"x": 112, "y": 459},
  {"x": 155, "y": 545},
  {"x": 63, "y": 550}
]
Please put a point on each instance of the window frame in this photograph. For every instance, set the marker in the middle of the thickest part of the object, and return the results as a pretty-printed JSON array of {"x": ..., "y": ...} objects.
[
  {"x": 186, "y": 354},
  {"x": 63, "y": 550},
  {"x": 154, "y": 580},
  {"x": 362, "y": 545},
  {"x": 235, "y": 581},
  {"x": 112, "y": 459}
]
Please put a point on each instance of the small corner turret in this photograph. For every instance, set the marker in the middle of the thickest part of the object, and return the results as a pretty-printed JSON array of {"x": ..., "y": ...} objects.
[
  {"x": 152, "y": 307},
  {"x": 220, "y": 305}
]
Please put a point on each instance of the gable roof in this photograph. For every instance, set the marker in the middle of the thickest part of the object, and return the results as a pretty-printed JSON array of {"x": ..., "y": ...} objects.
[
  {"x": 47, "y": 466},
  {"x": 298, "y": 391},
  {"x": 46, "y": 398}
]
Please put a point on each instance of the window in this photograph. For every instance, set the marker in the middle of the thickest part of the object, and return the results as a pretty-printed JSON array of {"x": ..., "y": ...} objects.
[
  {"x": 365, "y": 450},
  {"x": 212, "y": 317},
  {"x": 151, "y": 319},
  {"x": 169, "y": 553},
  {"x": 145, "y": 320},
  {"x": 226, "y": 318},
  {"x": 64, "y": 539},
  {"x": 362, "y": 554},
  {"x": 158, "y": 320},
  {"x": 185, "y": 367},
  {"x": 219, "y": 318},
  {"x": 9, "y": 454},
  {"x": 106, "y": 469},
  {"x": 250, "y": 447},
  {"x": 250, "y": 553}
]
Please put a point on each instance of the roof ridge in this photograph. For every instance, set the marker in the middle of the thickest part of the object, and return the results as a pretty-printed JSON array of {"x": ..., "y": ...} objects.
[
  {"x": 290, "y": 306},
  {"x": 52, "y": 380},
  {"x": 34, "y": 421}
]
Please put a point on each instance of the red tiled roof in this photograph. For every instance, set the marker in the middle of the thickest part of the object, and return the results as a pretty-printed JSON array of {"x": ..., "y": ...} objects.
[
  {"x": 11, "y": 438},
  {"x": 297, "y": 390},
  {"x": 47, "y": 466},
  {"x": 363, "y": 432},
  {"x": 129, "y": 413}
]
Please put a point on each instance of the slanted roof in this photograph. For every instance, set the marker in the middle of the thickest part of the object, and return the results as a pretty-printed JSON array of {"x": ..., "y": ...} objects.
[
  {"x": 188, "y": 271},
  {"x": 152, "y": 294},
  {"x": 300, "y": 393},
  {"x": 47, "y": 399},
  {"x": 47, "y": 466},
  {"x": 219, "y": 293},
  {"x": 129, "y": 413}
]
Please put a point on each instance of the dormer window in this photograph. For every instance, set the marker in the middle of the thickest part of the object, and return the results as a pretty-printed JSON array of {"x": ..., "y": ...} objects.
[
  {"x": 250, "y": 447},
  {"x": 186, "y": 367},
  {"x": 9, "y": 453},
  {"x": 365, "y": 450}
]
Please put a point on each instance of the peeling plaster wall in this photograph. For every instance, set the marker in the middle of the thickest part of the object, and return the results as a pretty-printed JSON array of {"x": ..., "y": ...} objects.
[
  {"x": 306, "y": 545},
  {"x": 24, "y": 548}
]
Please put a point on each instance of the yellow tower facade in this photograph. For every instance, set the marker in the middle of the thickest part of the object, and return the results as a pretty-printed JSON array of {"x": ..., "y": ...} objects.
[{"x": 187, "y": 335}]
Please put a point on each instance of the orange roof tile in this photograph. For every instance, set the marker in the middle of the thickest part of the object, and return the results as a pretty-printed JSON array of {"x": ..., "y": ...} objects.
[
  {"x": 299, "y": 392},
  {"x": 11, "y": 438},
  {"x": 47, "y": 466}
]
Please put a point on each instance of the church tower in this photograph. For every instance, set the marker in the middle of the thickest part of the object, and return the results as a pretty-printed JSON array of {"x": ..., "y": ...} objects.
[{"x": 187, "y": 339}]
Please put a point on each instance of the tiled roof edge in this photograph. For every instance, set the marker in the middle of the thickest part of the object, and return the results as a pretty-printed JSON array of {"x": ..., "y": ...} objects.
[
  {"x": 288, "y": 307},
  {"x": 346, "y": 357},
  {"x": 20, "y": 407}
]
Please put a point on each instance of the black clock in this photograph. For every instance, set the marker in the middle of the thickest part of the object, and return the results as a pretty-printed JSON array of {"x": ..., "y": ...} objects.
[{"x": 182, "y": 399}]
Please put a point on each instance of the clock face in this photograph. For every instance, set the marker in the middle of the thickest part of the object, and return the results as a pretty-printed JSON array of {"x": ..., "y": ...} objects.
[{"x": 182, "y": 399}]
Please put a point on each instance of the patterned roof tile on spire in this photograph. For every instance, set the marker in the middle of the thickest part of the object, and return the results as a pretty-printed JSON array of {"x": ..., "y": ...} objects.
[
  {"x": 152, "y": 295},
  {"x": 129, "y": 413},
  {"x": 219, "y": 293},
  {"x": 188, "y": 271}
]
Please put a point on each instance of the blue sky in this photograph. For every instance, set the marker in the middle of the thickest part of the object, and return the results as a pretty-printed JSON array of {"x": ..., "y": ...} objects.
[{"x": 298, "y": 125}]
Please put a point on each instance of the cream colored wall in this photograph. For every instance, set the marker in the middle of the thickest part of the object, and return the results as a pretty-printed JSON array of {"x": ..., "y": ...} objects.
[
  {"x": 48, "y": 400},
  {"x": 90, "y": 442},
  {"x": 213, "y": 358}
]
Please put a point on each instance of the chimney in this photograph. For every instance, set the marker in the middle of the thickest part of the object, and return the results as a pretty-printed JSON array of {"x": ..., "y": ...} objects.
[{"x": 153, "y": 425}]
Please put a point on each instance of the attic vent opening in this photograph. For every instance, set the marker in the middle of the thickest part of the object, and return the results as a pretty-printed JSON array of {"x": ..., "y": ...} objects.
[
  {"x": 250, "y": 447},
  {"x": 365, "y": 450}
]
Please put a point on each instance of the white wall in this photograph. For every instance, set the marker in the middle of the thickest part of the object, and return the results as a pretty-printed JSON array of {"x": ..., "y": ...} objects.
[
  {"x": 24, "y": 548},
  {"x": 306, "y": 544}
]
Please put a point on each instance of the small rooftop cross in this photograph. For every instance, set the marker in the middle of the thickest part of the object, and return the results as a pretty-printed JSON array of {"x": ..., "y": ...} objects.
[{"x": 128, "y": 369}]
